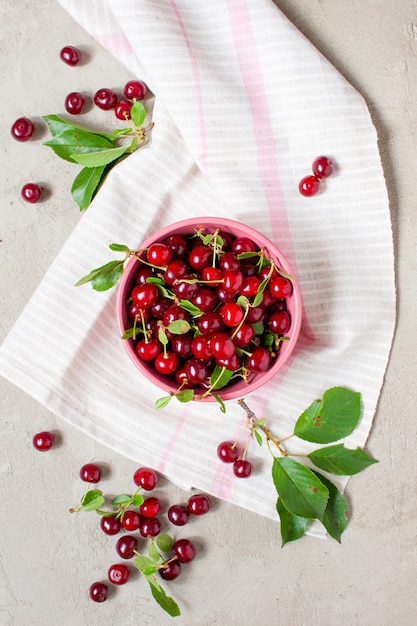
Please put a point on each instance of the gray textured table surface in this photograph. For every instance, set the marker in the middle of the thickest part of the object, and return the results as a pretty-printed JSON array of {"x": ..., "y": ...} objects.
[{"x": 242, "y": 577}]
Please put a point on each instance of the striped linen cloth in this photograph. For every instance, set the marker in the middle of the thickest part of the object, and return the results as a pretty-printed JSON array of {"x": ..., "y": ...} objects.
[{"x": 243, "y": 104}]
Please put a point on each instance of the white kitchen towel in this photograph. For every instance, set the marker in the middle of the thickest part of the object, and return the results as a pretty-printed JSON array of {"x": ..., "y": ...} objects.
[{"x": 243, "y": 104}]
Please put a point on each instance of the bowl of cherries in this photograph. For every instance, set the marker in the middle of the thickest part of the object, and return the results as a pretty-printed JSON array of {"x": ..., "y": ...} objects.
[{"x": 208, "y": 309}]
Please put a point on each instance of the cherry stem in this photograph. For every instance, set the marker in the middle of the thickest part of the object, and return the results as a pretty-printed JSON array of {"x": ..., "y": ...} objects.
[{"x": 269, "y": 437}]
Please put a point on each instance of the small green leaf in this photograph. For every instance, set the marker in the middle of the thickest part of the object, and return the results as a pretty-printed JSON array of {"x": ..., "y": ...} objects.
[
  {"x": 162, "y": 336},
  {"x": 85, "y": 185},
  {"x": 336, "y": 515},
  {"x": 99, "y": 158},
  {"x": 330, "y": 419},
  {"x": 138, "y": 113},
  {"x": 220, "y": 401},
  {"x": 179, "y": 327},
  {"x": 165, "y": 602},
  {"x": 164, "y": 542},
  {"x": 162, "y": 402},
  {"x": 108, "y": 279},
  {"x": 301, "y": 491},
  {"x": 141, "y": 561},
  {"x": 119, "y": 247},
  {"x": 190, "y": 307},
  {"x": 258, "y": 328},
  {"x": 186, "y": 395},
  {"x": 137, "y": 499},
  {"x": 247, "y": 255},
  {"x": 340, "y": 460},
  {"x": 58, "y": 125},
  {"x": 292, "y": 526},
  {"x": 153, "y": 554},
  {"x": 122, "y": 499},
  {"x": 92, "y": 500},
  {"x": 148, "y": 570},
  {"x": 220, "y": 377},
  {"x": 69, "y": 143},
  {"x": 130, "y": 333},
  {"x": 258, "y": 438}
]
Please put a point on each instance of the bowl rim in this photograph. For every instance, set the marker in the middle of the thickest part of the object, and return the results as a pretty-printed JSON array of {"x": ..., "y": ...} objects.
[{"x": 236, "y": 390}]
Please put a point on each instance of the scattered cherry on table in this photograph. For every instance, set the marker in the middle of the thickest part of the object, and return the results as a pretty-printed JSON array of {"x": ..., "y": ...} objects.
[
  {"x": 31, "y": 192},
  {"x": 22, "y": 129},
  {"x": 43, "y": 441},
  {"x": 70, "y": 55}
]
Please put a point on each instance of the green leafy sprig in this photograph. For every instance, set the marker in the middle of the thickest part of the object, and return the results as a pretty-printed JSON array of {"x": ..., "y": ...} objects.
[
  {"x": 97, "y": 151},
  {"x": 305, "y": 494},
  {"x": 159, "y": 548}
]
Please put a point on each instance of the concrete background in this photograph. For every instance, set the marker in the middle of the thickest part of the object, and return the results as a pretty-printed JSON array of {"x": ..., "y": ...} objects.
[{"x": 48, "y": 558}]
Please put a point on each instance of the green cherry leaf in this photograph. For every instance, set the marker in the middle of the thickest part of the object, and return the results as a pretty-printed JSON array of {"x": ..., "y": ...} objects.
[
  {"x": 301, "y": 491},
  {"x": 218, "y": 399},
  {"x": 137, "y": 499},
  {"x": 190, "y": 307},
  {"x": 119, "y": 247},
  {"x": 153, "y": 555},
  {"x": 57, "y": 125},
  {"x": 122, "y": 499},
  {"x": 220, "y": 377},
  {"x": 164, "y": 542},
  {"x": 99, "y": 158},
  {"x": 69, "y": 143},
  {"x": 165, "y": 602},
  {"x": 161, "y": 403},
  {"x": 162, "y": 336},
  {"x": 138, "y": 113},
  {"x": 336, "y": 515},
  {"x": 292, "y": 526},
  {"x": 92, "y": 500},
  {"x": 258, "y": 438},
  {"x": 340, "y": 460},
  {"x": 104, "y": 277},
  {"x": 186, "y": 395},
  {"x": 179, "y": 327},
  {"x": 85, "y": 185},
  {"x": 330, "y": 419}
]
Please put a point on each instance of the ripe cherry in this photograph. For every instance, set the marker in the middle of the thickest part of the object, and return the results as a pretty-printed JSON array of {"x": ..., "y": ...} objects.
[
  {"x": 170, "y": 570},
  {"x": 259, "y": 361},
  {"x": 31, "y": 192},
  {"x": 309, "y": 185},
  {"x": 105, "y": 99},
  {"x": 166, "y": 363},
  {"x": 243, "y": 335},
  {"x": 43, "y": 441},
  {"x": 122, "y": 110},
  {"x": 200, "y": 257},
  {"x": 150, "y": 527},
  {"x": 150, "y": 507},
  {"x": 242, "y": 468},
  {"x": 22, "y": 129},
  {"x": 110, "y": 525},
  {"x": 227, "y": 452},
  {"x": 200, "y": 347},
  {"x": 184, "y": 550},
  {"x": 126, "y": 546},
  {"x": 198, "y": 504},
  {"x": 231, "y": 313},
  {"x": 159, "y": 254},
  {"x": 196, "y": 371},
  {"x": 135, "y": 89},
  {"x": 118, "y": 574},
  {"x": 146, "y": 478},
  {"x": 279, "y": 322},
  {"x": 90, "y": 473},
  {"x": 74, "y": 102},
  {"x": 221, "y": 346},
  {"x": 322, "y": 167},
  {"x": 280, "y": 287},
  {"x": 98, "y": 592},
  {"x": 131, "y": 520},
  {"x": 70, "y": 55},
  {"x": 178, "y": 515}
]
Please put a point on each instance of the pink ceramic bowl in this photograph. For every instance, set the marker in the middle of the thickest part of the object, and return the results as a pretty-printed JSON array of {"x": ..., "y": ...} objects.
[{"x": 237, "y": 388}]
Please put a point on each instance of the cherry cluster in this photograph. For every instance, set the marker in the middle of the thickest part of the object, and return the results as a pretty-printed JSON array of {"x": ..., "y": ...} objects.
[
  {"x": 23, "y": 128},
  {"x": 129, "y": 517},
  {"x": 205, "y": 305},
  {"x": 322, "y": 168}
]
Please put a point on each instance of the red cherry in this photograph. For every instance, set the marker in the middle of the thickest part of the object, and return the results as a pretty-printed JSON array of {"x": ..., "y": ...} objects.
[
  {"x": 159, "y": 254},
  {"x": 145, "y": 295},
  {"x": 98, "y": 592},
  {"x": 122, "y": 110},
  {"x": 43, "y": 441},
  {"x": 150, "y": 527},
  {"x": 259, "y": 361},
  {"x": 279, "y": 322},
  {"x": 231, "y": 314},
  {"x": 74, "y": 102},
  {"x": 131, "y": 520},
  {"x": 31, "y": 192},
  {"x": 146, "y": 478},
  {"x": 148, "y": 350},
  {"x": 170, "y": 570},
  {"x": 242, "y": 468},
  {"x": 22, "y": 129},
  {"x": 166, "y": 363},
  {"x": 90, "y": 473},
  {"x": 110, "y": 525},
  {"x": 221, "y": 346},
  {"x": 184, "y": 550},
  {"x": 322, "y": 167},
  {"x": 70, "y": 55},
  {"x": 309, "y": 186},
  {"x": 177, "y": 515},
  {"x": 105, "y": 99},
  {"x": 280, "y": 287},
  {"x": 118, "y": 574},
  {"x": 135, "y": 89},
  {"x": 126, "y": 546},
  {"x": 150, "y": 507},
  {"x": 243, "y": 335},
  {"x": 227, "y": 452},
  {"x": 198, "y": 504}
]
